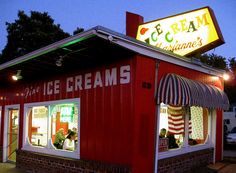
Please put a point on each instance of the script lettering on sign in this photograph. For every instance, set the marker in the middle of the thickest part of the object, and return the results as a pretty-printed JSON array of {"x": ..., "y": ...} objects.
[
  {"x": 29, "y": 91},
  {"x": 184, "y": 34}
]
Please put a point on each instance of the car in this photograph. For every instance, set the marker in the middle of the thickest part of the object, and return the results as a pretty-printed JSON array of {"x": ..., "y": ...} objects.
[{"x": 231, "y": 137}]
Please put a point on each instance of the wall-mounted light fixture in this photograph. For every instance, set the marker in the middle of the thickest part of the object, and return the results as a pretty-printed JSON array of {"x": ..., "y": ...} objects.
[
  {"x": 215, "y": 78},
  {"x": 226, "y": 76},
  {"x": 17, "y": 76}
]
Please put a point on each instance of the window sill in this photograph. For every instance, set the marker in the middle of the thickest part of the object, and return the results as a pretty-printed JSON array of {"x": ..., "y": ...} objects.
[
  {"x": 183, "y": 150},
  {"x": 52, "y": 151}
]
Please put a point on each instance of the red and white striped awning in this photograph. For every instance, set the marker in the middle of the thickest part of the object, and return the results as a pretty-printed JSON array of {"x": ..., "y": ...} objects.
[{"x": 177, "y": 90}]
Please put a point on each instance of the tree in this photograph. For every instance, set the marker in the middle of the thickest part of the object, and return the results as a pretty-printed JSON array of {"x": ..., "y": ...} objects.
[
  {"x": 78, "y": 30},
  {"x": 29, "y": 33},
  {"x": 221, "y": 63},
  {"x": 230, "y": 86},
  {"x": 232, "y": 64},
  {"x": 214, "y": 60}
]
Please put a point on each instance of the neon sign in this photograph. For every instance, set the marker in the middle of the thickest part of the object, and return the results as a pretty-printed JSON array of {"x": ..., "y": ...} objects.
[
  {"x": 67, "y": 112},
  {"x": 185, "y": 34}
]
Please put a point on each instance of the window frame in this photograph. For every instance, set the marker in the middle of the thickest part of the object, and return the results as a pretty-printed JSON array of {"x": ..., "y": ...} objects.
[
  {"x": 186, "y": 148},
  {"x": 49, "y": 148}
]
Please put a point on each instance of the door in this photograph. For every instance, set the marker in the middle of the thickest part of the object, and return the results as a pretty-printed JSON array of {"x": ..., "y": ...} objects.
[{"x": 12, "y": 134}]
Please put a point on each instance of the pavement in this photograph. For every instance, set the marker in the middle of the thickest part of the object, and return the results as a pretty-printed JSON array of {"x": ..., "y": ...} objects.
[
  {"x": 228, "y": 165},
  {"x": 9, "y": 168},
  {"x": 223, "y": 167}
]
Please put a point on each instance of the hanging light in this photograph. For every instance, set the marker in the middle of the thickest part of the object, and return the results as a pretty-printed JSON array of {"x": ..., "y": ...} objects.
[
  {"x": 17, "y": 76},
  {"x": 59, "y": 61}
]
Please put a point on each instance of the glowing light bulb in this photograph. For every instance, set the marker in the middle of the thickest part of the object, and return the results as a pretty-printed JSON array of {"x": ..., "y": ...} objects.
[
  {"x": 14, "y": 77},
  {"x": 225, "y": 76}
]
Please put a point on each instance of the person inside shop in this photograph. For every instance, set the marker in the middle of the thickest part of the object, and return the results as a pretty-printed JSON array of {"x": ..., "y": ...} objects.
[
  {"x": 59, "y": 139},
  {"x": 162, "y": 133},
  {"x": 69, "y": 143},
  {"x": 172, "y": 141},
  {"x": 74, "y": 129},
  {"x": 68, "y": 132}
]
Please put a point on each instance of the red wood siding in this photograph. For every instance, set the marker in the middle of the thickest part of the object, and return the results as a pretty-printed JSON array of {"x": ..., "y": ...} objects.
[
  {"x": 118, "y": 121},
  {"x": 106, "y": 112},
  {"x": 144, "y": 116},
  {"x": 165, "y": 68},
  {"x": 106, "y": 123}
]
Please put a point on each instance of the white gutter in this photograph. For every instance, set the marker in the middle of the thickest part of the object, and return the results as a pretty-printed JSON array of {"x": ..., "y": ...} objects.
[
  {"x": 124, "y": 41},
  {"x": 47, "y": 49},
  {"x": 153, "y": 52}
]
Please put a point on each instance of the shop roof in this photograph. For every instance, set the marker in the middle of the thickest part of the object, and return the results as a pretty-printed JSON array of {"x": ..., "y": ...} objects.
[{"x": 93, "y": 46}]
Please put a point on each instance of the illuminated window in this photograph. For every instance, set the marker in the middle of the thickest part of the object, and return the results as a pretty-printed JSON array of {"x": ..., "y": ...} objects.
[
  {"x": 178, "y": 122},
  {"x": 64, "y": 119},
  {"x": 37, "y": 128},
  {"x": 53, "y": 127},
  {"x": 198, "y": 124},
  {"x": 172, "y": 120}
]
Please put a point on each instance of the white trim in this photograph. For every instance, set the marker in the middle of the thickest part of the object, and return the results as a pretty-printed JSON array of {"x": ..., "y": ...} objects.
[
  {"x": 48, "y": 48},
  {"x": 183, "y": 150},
  {"x": 213, "y": 131},
  {"x": 157, "y": 117},
  {"x": 49, "y": 149},
  {"x": 157, "y": 139},
  {"x": 209, "y": 142},
  {"x": 5, "y": 130},
  {"x": 124, "y": 41},
  {"x": 157, "y": 53}
]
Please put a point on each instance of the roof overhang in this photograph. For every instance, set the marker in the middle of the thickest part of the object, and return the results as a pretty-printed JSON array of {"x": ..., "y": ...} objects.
[{"x": 97, "y": 45}]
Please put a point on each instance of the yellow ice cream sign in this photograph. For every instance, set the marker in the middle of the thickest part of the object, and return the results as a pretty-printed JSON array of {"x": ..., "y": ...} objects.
[{"x": 184, "y": 34}]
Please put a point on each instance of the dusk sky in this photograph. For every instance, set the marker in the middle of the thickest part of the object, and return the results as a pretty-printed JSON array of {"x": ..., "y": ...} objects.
[{"x": 71, "y": 14}]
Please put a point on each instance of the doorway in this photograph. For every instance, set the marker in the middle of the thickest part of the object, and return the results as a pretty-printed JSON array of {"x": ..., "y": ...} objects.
[{"x": 11, "y": 133}]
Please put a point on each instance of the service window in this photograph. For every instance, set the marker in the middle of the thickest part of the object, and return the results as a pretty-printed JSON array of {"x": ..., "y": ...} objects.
[
  {"x": 53, "y": 127},
  {"x": 171, "y": 128},
  {"x": 181, "y": 127},
  {"x": 37, "y": 125},
  {"x": 198, "y": 125}
]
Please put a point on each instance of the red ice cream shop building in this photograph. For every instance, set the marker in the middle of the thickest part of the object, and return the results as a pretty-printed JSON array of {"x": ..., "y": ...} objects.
[{"x": 132, "y": 107}]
